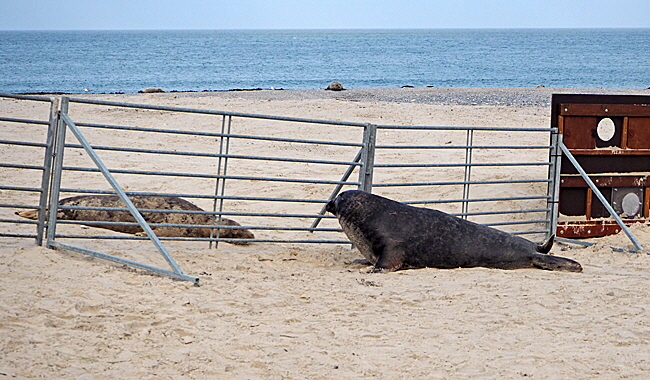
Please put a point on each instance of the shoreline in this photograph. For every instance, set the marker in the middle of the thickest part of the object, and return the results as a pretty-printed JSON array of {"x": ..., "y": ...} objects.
[{"x": 482, "y": 96}]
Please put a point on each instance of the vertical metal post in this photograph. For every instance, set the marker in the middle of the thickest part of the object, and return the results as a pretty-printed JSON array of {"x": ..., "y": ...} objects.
[
  {"x": 57, "y": 169},
  {"x": 47, "y": 170},
  {"x": 225, "y": 172},
  {"x": 218, "y": 181},
  {"x": 367, "y": 157},
  {"x": 220, "y": 192},
  {"x": 554, "y": 170},
  {"x": 468, "y": 172}
]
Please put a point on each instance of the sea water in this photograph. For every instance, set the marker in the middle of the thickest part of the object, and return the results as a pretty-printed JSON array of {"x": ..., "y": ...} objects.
[{"x": 198, "y": 60}]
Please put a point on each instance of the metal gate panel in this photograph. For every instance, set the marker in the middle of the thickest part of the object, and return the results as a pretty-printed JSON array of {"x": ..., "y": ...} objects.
[
  {"x": 279, "y": 191},
  {"x": 25, "y": 184}
]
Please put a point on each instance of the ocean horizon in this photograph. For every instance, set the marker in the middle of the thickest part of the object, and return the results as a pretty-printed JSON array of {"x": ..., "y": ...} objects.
[{"x": 127, "y": 61}]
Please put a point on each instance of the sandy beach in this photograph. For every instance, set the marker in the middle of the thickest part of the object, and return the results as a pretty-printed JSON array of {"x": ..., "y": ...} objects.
[{"x": 309, "y": 311}]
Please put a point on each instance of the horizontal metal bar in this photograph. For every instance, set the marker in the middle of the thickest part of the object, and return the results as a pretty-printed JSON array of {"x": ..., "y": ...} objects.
[
  {"x": 516, "y": 223},
  {"x": 27, "y": 97},
  {"x": 20, "y": 188},
  {"x": 464, "y": 147},
  {"x": 99, "y": 224},
  {"x": 460, "y": 183},
  {"x": 227, "y": 240},
  {"x": 196, "y": 196},
  {"x": 500, "y": 212},
  {"x": 94, "y": 223},
  {"x": 23, "y": 143},
  {"x": 529, "y": 232},
  {"x": 107, "y": 224},
  {"x": 21, "y": 166},
  {"x": 479, "y": 200},
  {"x": 462, "y": 128},
  {"x": 14, "y": 205},
  {"x": 268, "y": 228},
  {"x": 18, "y": 221},
  {"x": 120, "y": 260},
  {"x": 297, "y": 241},
  {"x": 217, "y": 134},
  {"x": 213, "y": 112},
  {"x": 166, "y": 211},
  {"x": 473, "y": 164},
  {"x": 24, "y": 121},
  {"x": 211, "y": 176},
  {"x": 2, "y": 234},
  {"x": 213, "y": 155}
]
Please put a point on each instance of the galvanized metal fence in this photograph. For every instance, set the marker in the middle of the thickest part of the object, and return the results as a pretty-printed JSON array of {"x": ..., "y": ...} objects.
[
  {"x": 520, "y": 195},
  {"x": 27, "y": 147},
  {"x": 273, "y": 174}
]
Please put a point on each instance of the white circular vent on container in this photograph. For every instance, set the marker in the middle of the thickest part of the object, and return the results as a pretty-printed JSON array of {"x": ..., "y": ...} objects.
[
  {"x": 631, "y": 204},
  {"x": 606, "y": 129}
]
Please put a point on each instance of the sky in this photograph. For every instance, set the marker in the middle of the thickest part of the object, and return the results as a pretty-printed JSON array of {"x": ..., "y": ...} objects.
[{"x": 320, "y": 14}]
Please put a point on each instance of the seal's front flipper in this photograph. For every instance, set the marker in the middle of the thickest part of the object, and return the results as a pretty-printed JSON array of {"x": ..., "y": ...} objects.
[
  {"x": 391, "y": 258},
  {"x": 546, "y": 246},
  {"x": 549, "y": 262}
]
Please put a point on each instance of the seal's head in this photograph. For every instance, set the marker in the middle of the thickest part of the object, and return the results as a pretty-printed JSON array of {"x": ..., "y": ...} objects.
[
  {"x": 331, "y": 206},
  {"x": 347, "y": 202},
  {"x": 350, "y": 208}
]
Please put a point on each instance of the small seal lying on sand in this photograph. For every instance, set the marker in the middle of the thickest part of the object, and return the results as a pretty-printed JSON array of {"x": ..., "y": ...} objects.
[
  {"x": 392, "y": 235},
  {"x": 151, "y": 90},
  {"x": 335, "y": 86},
  {"x": 145, "y": 202}
]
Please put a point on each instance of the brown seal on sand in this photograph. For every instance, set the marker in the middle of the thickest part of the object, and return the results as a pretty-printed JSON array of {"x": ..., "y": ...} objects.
[
  {"x": 392, "y": 235},
  {"x": 88, "y": 217}
]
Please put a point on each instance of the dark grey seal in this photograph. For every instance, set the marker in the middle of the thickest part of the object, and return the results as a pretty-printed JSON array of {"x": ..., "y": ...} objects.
[
  {"x": 392, "y": 235},
  {"x": 95, "y": 217}
]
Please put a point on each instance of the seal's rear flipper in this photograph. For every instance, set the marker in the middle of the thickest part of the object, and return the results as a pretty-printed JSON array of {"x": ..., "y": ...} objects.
[
  {"x": 549, "y": 262},
  {"x": 29, "y": 214},
  {"x": 546, "y": 246}
]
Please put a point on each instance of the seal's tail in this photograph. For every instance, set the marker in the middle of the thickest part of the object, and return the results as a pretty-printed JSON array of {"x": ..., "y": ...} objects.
[
  {"x": 549, "y": 262},
  {"x": 546, "y": 246}
]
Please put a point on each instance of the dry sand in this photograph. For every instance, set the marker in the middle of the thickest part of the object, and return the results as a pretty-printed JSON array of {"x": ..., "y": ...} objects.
[{"x": 285, "y": 311}]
